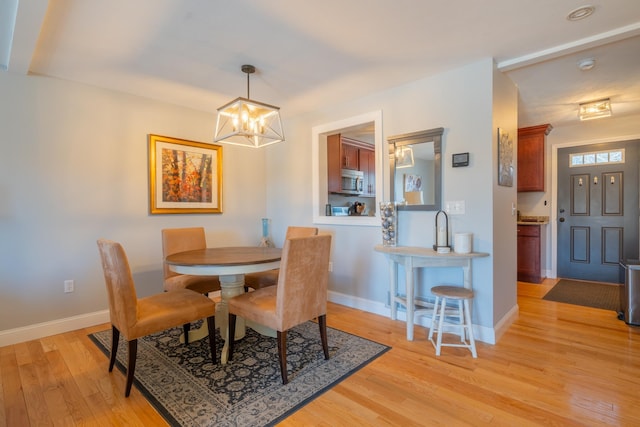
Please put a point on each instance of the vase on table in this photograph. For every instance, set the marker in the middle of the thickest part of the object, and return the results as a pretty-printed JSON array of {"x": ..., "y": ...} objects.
[
  {"x": 266, "y": 240},
  {"x": 389, "y": 217}
]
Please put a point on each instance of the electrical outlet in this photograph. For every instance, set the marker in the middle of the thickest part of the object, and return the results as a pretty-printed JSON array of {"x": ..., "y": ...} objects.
[
  {"x": 68, "y": 286},
  {"x": 330, "y": 266}
]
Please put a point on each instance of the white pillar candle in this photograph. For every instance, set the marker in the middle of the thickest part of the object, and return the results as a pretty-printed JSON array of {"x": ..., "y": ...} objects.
[{"x": 442, "y": 237}]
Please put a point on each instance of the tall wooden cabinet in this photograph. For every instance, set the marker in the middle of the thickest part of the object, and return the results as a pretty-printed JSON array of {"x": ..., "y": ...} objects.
[
  {"x": 367, "y": 161},
  {"x": 334, "y": 163},
  {"x": 531, "y": 154}
]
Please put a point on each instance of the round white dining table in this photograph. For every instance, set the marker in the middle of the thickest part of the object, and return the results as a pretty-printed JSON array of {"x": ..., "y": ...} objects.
[{"x": 230, "y": 264}]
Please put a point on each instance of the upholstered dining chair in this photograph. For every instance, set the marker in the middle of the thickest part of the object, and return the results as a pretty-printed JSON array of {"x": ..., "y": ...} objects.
[
  {"x": 299, "y": 296},
  {"x": 135, "y": 317},
  {"x": 263, "y": 279},
  {"x": 176, "y": 240}
]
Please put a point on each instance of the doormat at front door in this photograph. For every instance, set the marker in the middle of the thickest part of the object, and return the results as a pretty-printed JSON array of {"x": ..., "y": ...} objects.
[{"x": 588, "y": 294}]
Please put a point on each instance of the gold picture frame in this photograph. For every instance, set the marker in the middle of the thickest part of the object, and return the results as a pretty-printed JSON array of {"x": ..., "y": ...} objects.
[{"x": 185, "y": 177}]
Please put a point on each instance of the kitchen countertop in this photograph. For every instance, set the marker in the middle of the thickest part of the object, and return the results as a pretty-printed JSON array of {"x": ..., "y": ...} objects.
[{"x": 533, "y": 220}]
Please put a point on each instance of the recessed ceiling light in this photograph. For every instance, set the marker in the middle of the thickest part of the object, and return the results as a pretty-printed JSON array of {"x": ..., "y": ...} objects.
[
  {"x": 580, "y": 13},
  {"x": 586, "y": 64}
]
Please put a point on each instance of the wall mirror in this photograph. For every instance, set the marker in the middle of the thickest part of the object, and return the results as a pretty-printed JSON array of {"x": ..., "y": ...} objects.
[{"x": 415, "y": 162}]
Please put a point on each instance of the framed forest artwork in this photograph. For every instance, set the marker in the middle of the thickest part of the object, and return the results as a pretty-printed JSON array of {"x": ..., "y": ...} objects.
[{"x": 184, "y": 176}]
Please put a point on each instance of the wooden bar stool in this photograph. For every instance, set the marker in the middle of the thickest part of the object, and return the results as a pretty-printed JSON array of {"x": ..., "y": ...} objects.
[{"x": 439, "y": 321}]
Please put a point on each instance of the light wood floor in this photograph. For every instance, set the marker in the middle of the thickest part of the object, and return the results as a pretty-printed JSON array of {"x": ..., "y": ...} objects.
[{"x": 558, "y": 364}]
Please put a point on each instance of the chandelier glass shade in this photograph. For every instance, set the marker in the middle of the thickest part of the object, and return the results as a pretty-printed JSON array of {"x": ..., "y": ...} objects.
[
  {"x": 595, "y": 109},
  {"x": 404, "y": 157},
  {"x": 247, "y": 122}
]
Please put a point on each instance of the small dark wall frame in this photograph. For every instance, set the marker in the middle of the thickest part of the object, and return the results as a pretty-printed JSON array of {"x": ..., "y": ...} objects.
[{"x": 460, "y": 159}]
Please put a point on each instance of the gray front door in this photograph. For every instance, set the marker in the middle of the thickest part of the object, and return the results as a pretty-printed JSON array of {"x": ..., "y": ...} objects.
[{"x": 597, "y": 210}]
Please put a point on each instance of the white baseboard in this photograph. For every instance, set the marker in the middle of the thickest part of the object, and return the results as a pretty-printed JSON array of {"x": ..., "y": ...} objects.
[
  {"x": 506, "y": 321},
  {"x": 359, "y": 303},
  {"x": 40, "y": 330},
  {"x": 45, "y": 329}
]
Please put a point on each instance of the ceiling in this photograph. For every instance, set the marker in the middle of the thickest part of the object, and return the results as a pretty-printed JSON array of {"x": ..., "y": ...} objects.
[{"x": 312, "y": 55}]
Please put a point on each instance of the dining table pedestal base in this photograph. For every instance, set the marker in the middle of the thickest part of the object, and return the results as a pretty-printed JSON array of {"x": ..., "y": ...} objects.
[
  {"x": 230, "y": 286},
  {"x": 230, "y": 265}
]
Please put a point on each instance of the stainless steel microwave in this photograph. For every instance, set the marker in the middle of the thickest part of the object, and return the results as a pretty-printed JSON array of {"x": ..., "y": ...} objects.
[{"x": 352, "y": 181}]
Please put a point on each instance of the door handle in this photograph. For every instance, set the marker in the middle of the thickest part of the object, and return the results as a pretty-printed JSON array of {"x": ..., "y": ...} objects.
[{"x": 561, "y": 219}]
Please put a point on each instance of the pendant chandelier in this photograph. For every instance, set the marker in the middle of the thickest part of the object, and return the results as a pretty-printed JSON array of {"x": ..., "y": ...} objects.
[
  {"x": 248, "y": 123},
  {"x": 404, "y": 157}
]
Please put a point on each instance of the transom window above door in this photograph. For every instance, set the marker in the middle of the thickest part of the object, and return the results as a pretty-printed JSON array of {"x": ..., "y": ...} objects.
[{"x": 596, "y": 158}]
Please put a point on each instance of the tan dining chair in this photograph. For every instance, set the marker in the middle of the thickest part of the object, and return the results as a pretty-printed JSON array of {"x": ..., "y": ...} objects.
[
  {"x": 176, "y": 240},
  {"x": 263, "y": 279},
  {"x": 299, "y": 296},
  {"x": 135, "y": 317}
]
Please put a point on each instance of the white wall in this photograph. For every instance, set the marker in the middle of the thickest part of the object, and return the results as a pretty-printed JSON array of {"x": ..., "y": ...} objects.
[
  {"x": 73, "y": 168},
  {"x": 505, "y": 117},
  {"x": 461, "y": 102}
]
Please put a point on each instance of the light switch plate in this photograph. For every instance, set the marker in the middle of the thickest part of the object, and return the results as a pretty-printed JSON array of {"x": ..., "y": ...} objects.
[{"x": 456, "y": 207}]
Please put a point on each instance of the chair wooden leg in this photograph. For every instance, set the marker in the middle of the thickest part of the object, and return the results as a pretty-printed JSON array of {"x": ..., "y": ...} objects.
[
  {"x": 434, "y": 317},
  {"x": 186, "y": 328},
  {"x": 463, "y": 332},
  {"x": 322, "y": 323},
  {"x": 211, "y": 323},
  {"x": 231, "y": 333},
  {"x": 115, "y": 339},
  {"x": 131, "y": 366},
  {"x": 282, "y": 355},
  {"x": 472, "y": 341},
  {"x": 443, "y": 306}
]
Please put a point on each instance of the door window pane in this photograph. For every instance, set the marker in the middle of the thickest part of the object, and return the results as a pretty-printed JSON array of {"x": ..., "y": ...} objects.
[{"x": 597, "y": 157}]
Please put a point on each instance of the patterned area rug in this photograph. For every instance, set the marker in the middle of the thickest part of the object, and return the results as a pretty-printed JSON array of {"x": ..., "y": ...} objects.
[
  {"x": 589, "y": 294},
  {"x": 187, "y": 389}
]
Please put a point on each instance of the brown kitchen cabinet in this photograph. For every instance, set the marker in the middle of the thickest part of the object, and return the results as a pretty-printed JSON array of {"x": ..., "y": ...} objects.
[
  {"x": 367, "y": 162},
  {"x": 529, "y": 253},
  {"x": 334, "y": 163},
  {"x": 350, "y": 156},
  {"x": 345, "y": 153},
  {"x": 531, "y": 157}
]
